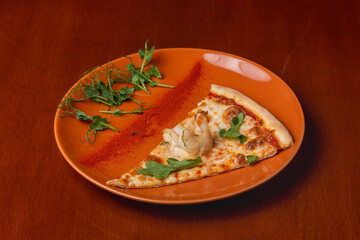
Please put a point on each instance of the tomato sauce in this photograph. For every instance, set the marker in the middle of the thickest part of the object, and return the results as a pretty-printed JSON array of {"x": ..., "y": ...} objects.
[{"x": 224, "y": 100}]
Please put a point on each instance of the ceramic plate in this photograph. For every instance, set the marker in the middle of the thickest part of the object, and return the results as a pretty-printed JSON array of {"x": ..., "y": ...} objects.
[{"x": 191, "y": 71}]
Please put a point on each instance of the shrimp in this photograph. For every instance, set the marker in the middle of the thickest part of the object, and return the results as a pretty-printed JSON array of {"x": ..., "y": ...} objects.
[{"x": 197, "y": 141}]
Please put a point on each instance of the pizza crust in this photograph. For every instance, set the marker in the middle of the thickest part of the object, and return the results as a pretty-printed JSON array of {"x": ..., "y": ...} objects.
[
  {"x": 225, "y": 154},
  {"x": 269, "y": 121}
]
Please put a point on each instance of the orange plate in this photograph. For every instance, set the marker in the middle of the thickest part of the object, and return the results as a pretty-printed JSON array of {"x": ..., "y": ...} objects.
[{"x": 191, "y": 71}]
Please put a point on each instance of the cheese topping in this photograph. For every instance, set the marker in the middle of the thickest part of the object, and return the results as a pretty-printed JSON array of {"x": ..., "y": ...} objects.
[
  {"x": 198, "y": 135},
  {"x": 192, "y": 138}
]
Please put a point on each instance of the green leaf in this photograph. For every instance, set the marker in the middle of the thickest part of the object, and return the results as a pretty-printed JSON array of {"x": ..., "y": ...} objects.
[
  {"x": 136, "y": 78},
  {"x": 162, "y": 171},
  {"x": 233, "y": 131},
  {"x": 107, "y": 94},
  {"x": 126, "y": 90},
  {"x": 91, "y": 92},
  {"x": 82, "y": 116},
  {"x": 119, "y": 98},
  {"x": 242, "y": 138},
  {"x": 222, "y": 132},
  {"x": 146, "y": 75},
  {"x": 186, "y": 163},
  {"x": 237, "y": 121},
  {"x": 98, "y": 123},
  {"x": 152, "y": 84},
  {"x": 100, "y": 85},
  {"x": 130, "y": 67},
  {"x": 101, "y": 91},
  {"x": 141, "y": 53},
  {"x": 156, "y": 169},
  {"x": 154, "y": 71},
  {"x": 122, "y": 95},
  {"x": 149, "y": 54},
  {"x": 251, "y": 159}
]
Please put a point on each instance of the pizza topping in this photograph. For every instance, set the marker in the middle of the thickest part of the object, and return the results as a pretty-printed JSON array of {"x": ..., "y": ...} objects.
[
  {"x": 164, "y": 143},
  {"x": 258, "y": 141},
  {"x": 233, "y": 131},
  {"x": 254, "y": 131},
  {"x": 229, "y": 101},
  {"x": 222, "y": 134},
  {"x": 197, "y": 142},
  {"x": 252, "y": 144},
  {"x": 240, "y": 159},
  {"x": 242, "y": 138},
  {"x": 230, "y": 113},
  {"x": 274, "y": 141},
  {"x": 251, "y": 158},
  {"x": 222, "y": 100},
  {"x": 162, "y": 171}
]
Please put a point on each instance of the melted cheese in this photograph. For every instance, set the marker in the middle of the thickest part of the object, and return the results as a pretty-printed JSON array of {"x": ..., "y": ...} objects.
[{"x": 226, "y": 153}]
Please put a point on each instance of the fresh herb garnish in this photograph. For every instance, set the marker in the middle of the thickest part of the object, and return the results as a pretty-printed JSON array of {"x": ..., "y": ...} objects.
[
  {"x": 118, "y": 112},
  {"x": 242, "y": 138},
  {"x": 162, "y": 171},
  {"x": 98, "y": 87},
  {"x": 154, "y": 71},
  {"x": 134, "y": 133},
  {"x": 251, "y": 158},
  {"x": 233, "y": 131},
  {"x": 98, "y": 124},
  {"x": 138, "y": 75}
]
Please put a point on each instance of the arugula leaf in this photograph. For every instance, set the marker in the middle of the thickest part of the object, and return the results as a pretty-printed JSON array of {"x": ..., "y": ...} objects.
[
  {"x": 97, "y": 85},
  {"x": 154, "y": 71},
  {"x": 91, "y": 92},
  {"x": 251, "y": 159},
  {"x": 233, "y": 131},
  {"x": 99, "y": 123},
  {"x": 242, "y": 138},
  {"x": 123, "y": 94},
  {"x": 126, "y": 90},
  {"x": 156, "y": 169},
  {"x": 222, "y": 132},
  {"x": 149, "y": 54},
  {"x": 141, "y": 53},
  {"x": 162, "y": 171},
  {"x": 130, "y": 66},
  {"x": 82, "y": 116},
  {"x": 184, "y": 164},
  {"x": 108, "y": 95},
  {"x": 144, "y": 54}
]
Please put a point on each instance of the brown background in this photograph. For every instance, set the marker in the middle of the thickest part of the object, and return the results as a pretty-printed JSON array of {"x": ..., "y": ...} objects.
[{"x": 312, "y": 45}]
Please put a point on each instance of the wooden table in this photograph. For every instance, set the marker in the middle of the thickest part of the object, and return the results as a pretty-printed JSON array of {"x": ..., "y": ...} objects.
[{"x": 313, "y": 45}]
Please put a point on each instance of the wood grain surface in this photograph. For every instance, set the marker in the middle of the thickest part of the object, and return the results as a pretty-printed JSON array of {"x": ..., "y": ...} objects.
[{"x": 313, "y": 45}]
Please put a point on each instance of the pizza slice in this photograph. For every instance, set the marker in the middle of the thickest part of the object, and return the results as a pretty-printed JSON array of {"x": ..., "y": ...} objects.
[{"x": 226, "y": 131}]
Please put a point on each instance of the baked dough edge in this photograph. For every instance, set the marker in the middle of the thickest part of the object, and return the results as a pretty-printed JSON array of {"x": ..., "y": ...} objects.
[{"x": 269, "y": 121}]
